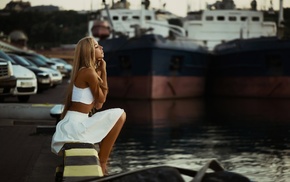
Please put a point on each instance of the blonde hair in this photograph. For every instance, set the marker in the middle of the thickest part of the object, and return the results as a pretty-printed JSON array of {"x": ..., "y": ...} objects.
[{"x": 84, "y": 56}]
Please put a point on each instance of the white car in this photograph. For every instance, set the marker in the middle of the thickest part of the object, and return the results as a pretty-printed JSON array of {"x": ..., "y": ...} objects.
[
  {"x": 26, "y": 83},
  {"x": 60, "y": 67},
  {"x": 54, "y": 65},
  {"x": 7, "y": 79},
  {"x": 55, "y": 76},
  {"x": 67, "y": 66}
]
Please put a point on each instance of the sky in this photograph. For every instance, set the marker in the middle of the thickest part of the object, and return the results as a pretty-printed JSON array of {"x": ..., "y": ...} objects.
[{"x": 171, "y": 5}]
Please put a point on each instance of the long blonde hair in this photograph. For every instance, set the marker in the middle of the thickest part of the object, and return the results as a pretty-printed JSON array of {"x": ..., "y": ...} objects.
[{"x": 84, "y": 56}]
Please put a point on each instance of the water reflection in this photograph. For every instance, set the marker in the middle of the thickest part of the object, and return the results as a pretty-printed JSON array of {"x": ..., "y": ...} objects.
[
  {"x": 248, "y": 136},
  {"x": 250, "y": 109},
  {"x": 258, "y": 131}
]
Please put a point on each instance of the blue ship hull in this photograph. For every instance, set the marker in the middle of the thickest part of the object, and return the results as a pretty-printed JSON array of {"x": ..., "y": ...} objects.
[
  {"x": 152, "y": 67},
  {"x": 258, "y": 67}
]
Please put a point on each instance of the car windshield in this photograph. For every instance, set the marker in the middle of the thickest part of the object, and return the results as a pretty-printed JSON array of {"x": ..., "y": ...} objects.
[
  {"x": 29, "y": 61},
  {"x": 59, "y": 60},
  {"x": 6, "y": 57},
  {"x": 19, "y": 60},
  {"x": 37, "y": 61},
  {"x": 43, "y": 58}
]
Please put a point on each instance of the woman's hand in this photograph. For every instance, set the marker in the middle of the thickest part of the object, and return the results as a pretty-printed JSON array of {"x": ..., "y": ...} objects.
[
  {"x": 101, "y": 68},
  {"x": 102, "y": 77},
  {"x": 98, "y": 105},
  {"x": 101, "y": 65}
]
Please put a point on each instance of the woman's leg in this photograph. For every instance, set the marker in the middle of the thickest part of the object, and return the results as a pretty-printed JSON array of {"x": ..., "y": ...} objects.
[{"x": 107, "y": 143}]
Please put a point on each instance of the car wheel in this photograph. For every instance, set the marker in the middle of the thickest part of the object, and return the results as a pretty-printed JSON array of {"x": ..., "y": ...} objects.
[{"x": 23, "y": 98}]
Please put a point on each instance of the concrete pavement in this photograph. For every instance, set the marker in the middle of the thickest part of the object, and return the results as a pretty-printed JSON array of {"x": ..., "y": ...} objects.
[
  {"x": 25, "y": 153},
  {"x": 15, "y": 113}
]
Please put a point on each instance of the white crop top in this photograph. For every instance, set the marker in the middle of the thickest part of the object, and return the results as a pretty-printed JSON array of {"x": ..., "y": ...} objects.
[{"x": 83, "y": 95}]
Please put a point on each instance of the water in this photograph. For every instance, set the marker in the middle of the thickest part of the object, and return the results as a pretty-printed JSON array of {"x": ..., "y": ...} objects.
[{"x": 247, "y": 136}]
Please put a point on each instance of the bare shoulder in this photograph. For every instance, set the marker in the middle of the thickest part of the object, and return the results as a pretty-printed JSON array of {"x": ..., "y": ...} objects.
[
  {"x": 89, "y": 74},
  {"x": 85, "y": 76}
]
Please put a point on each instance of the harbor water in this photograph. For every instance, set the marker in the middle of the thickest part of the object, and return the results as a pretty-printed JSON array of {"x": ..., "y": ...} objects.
[{"x": 247, "y": 136}]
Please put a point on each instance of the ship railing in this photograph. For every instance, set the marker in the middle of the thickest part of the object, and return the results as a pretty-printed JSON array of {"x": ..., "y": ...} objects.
[{"x": 173, "y": 28}]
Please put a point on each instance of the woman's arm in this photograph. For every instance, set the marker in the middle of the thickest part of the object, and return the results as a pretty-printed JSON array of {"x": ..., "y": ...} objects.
[
  {"x": 93, "y": 80},
  {"x": 102, "y": 72}
]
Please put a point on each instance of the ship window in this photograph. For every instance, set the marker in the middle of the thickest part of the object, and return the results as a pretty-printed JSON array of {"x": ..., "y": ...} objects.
[
  {"x": 232, "y": 18},
  {"x": 148, "y": 18},
  {"x": 136, "y": 17},
  {"x": 220, "y": 18},
  {"x": 176, "y": 63},
  {"x": 274, "y": 65},
  {"x": 255, "y": 18},
  {"x": 115, "y": 18},
  {"x": 124, "y": 18},
  {"x": 209, "y": 18},
  {"x": 125, "y": 62},
  {"x": 194, "y": 17},
  {"x": 243, "y": 18}
]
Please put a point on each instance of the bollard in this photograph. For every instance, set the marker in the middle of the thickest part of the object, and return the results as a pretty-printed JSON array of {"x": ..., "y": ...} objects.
[{"x": 80, "y": 162}]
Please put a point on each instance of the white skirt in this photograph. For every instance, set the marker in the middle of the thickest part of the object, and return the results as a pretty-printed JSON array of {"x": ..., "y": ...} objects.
[{"x": 79, "y": 127}]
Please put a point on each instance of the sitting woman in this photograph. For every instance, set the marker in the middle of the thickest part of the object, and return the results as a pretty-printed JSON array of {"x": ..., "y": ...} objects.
[{"x": 88, "y": 90}]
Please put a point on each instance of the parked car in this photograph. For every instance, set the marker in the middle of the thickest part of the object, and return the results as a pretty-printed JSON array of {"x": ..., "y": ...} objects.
[
  {"x": 7, "y": 79},
  {"x": 54, "y": 65},
  {"x": 26, "y": 81},
  {"x": 43, "y": 77},
  {"x": 67, "y": 66},
  {"x": 56, "y": 76}
]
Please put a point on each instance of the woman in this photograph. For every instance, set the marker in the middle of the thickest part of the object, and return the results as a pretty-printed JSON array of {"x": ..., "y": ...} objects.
[{"x": 88, "y": 89}]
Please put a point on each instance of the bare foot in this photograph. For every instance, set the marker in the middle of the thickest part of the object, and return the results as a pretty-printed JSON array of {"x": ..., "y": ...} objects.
[{"x": 104, "y": 168}]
